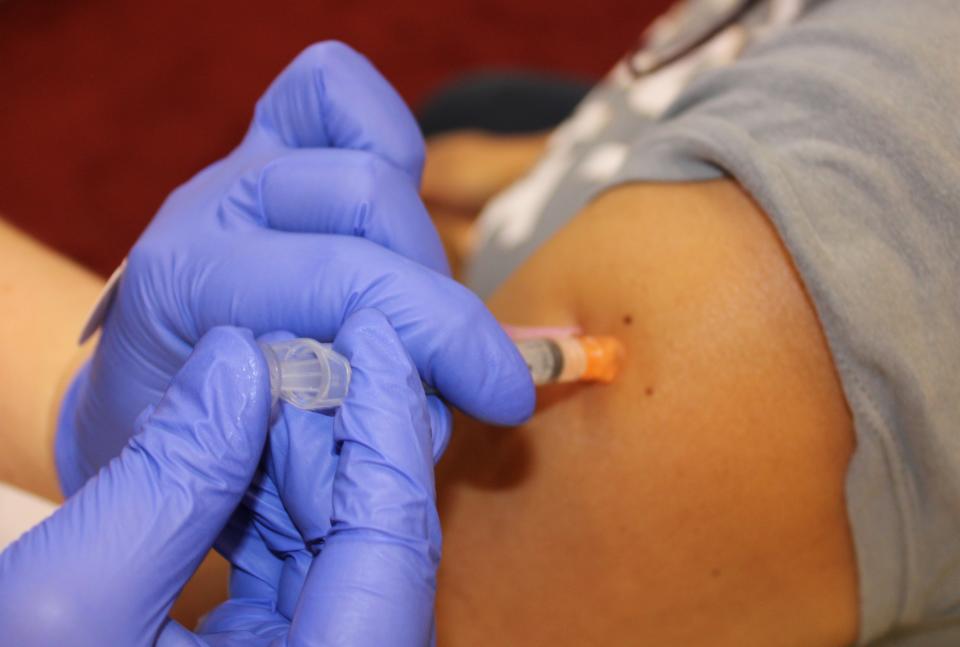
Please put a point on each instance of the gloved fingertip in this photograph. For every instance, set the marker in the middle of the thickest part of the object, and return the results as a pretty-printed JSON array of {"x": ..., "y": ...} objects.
[
  {"x": 441, "y": 425},
  {"x": 518, "y": 397},
  {"x": 225, "y": 381},
  {"x": 329, "y": 52},
  {"x": 331, "y": 95},
  {"x": 483, "y": 372},
  {"x": 175, "y": 634},
  {"x": 143, "y": 417},
  {"x": 276, "y": 335},
  {"x": 368, "y": 340}
]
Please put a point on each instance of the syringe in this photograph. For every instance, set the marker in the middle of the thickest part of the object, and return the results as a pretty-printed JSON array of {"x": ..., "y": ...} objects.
[{"x": 313, "y": 376}]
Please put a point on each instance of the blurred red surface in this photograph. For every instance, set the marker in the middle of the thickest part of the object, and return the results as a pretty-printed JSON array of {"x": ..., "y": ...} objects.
[{"x": 105, "y": 105}]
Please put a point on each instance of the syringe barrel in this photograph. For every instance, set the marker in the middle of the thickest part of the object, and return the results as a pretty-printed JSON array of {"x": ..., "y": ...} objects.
[{"x": 571, "y": 359}]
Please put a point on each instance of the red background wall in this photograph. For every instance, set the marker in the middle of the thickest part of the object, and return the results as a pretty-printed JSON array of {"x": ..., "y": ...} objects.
[{"x": 106, "y": 105}]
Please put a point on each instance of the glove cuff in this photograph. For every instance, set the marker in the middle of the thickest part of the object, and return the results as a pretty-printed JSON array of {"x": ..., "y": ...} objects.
[{"x": 71, "y": 468}]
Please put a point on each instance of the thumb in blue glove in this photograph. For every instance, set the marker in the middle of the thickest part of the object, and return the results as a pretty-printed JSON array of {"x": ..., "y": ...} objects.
[{"x": 106, "y": 567}]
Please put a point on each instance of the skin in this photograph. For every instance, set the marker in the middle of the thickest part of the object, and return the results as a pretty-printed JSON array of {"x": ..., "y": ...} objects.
[
  {"x": 698, "y": 500},
  {"x": 465, "y": 168}
]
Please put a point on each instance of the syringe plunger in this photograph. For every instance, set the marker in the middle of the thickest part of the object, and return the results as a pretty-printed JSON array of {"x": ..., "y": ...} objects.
[{"x": 306, "y": 373}]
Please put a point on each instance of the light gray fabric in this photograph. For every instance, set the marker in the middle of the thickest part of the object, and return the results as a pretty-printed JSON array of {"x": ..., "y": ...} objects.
[{"x": 844, "y": 127}]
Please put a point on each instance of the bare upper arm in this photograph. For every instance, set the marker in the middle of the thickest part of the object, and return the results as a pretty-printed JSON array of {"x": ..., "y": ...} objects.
[{"x": 699, "y": 499}]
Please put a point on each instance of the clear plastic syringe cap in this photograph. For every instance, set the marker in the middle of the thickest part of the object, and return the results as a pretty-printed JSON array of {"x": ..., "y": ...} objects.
[{"x": 306, "y": 373}]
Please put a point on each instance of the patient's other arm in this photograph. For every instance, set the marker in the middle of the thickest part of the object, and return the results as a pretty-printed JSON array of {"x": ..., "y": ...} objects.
[
  {"x": 44, "y": 298},
  {"x": 463, "y": 170}
]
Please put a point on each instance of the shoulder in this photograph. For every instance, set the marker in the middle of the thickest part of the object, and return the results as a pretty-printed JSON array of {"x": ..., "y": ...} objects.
[{"x": 727, "y": 432}]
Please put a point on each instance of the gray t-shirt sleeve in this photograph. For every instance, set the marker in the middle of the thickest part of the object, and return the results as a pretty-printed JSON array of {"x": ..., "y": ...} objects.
[{"x": 844, "y": 127}]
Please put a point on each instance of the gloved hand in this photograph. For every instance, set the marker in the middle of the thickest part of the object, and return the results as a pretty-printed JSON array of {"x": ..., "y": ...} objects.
[
  {"x": 369, "y": 579},
  {"x": 272, "y": 538},
  {"x": 287, "y": 234},
  {"x": 106, "y": 567}
]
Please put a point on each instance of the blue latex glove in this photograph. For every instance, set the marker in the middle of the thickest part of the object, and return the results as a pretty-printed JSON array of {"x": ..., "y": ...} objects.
[
  {"x": 369, "y": 578},
  {"x": 106, "y": 567},
  {"x": 272, "y": 539},
  {"x": 313, "y": 216}
]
